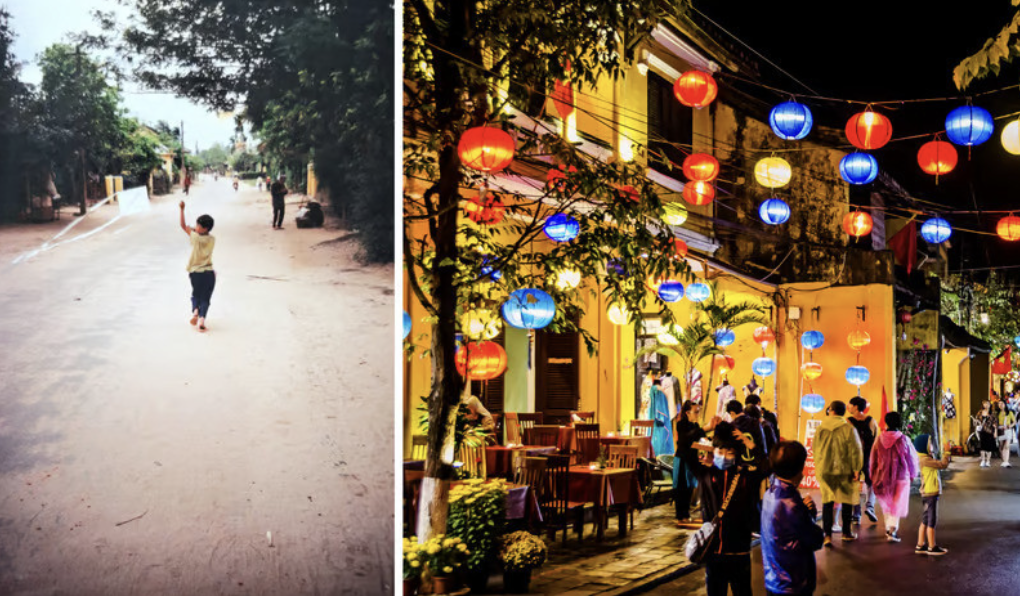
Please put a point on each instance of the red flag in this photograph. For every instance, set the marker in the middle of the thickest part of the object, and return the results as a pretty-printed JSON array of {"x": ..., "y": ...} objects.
[
  {"x": 563, "y": 99},
  {"x": 904, "y": 245},
  {"x": 1004, "y": 363},
  {"x": 885, "y": 409}
]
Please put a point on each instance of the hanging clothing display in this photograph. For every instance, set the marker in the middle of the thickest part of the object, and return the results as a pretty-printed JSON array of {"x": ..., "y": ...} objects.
[
  {"x": 949, "y": 405},
  {"x": 694, "y": 381}
]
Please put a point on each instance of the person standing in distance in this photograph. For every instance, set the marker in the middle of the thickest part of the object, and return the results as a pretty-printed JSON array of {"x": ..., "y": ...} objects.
[
  {"x": 200, "y": 267},
  {"x": 278, "y": 191},
  {"x": 867, "y": 430}
]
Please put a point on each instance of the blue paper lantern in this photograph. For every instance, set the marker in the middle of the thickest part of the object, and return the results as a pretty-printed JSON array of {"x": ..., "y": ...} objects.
[
  {"x": 561, "y": 228},
  {"x": 858, "y": 168},
  {"x": 724, "y": 337},
  {"x": 1016, "y": 340},
  {"x": 812, "y": 340},
  {"x": 774, "y": 211},
  {"x": 489, "y": 271},
  {"x": 936, "y": 230},
  {"x": 616, "y": 266},
  {"x": 969, "y": 125},
  {"x": 763, "y": 367},
  {"x": 698, "y": 292},
  {"x": 407, "y": 324},
  {"x": 791, "y": 121},
  {"x": 857, "y": 375},
  {"x": 812, "y": 403},
  {"x": 671, "y": 290},
  {"x": 529, "y": 309}
]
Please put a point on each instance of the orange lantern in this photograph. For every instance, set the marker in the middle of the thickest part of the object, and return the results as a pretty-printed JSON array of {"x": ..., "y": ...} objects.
[
  {"x": 679, "y": 248},
  {"x": 763, "y": 335},
  {"x": 811, "y": 371},
  {"x": 937, "y": 157},
  {"x": 699, "y": 192},
  {"x": 556, "y": 179},
  {"x": 480, "y": 361},
  {"x": 487, "y": 211},
  {"x": 723, "y": 363},
  {"x": 857, "y": 223},
  {"x": 486, "y": 148},
  {"x": 1008, "y": 228},
  {"x": 695, "y": 89},
  {"x": 701, "y": 166},
  {"x": 868, "y": 130},
  {"x": 858, "y": 339}
]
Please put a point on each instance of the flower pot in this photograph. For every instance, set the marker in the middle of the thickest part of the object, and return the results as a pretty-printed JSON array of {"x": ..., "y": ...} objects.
[
  {"x": 477, "y": 580},
  {"x": 411, "y": 586},
  {"x": 443, "y": 584},
  {"x": 517, "y": 582}
]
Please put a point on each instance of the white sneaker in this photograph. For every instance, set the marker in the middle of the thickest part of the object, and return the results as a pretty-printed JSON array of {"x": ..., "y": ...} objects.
[{"x": 1006, "y": 464}]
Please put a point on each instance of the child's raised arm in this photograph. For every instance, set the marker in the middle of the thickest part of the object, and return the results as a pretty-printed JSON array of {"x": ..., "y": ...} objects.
[{"x": 184, "y": 226}]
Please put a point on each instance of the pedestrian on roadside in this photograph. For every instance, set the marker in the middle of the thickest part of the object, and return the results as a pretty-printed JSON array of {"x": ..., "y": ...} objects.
[
  {"x": 931, "y": 489},
  {"x": 1007, "y": 420},
  {"x": 685, "y": 463},
  {"x": 278, "y": 191},
  {"x": 867, "y": 429},
  {"x": 987, "y": 427},
  {"x": 768, "y": 418},
  {"x": 838, "y": 460},
  {"x": 768, "y": 432},
  {"x": 734, "y": 467},
  {"x": 187, "y": 182},
  {"x": 789, "y": 534},
  {"x": 260, "y": 184},
  {"x": 747, "y": 425},
  {"x": 893, "y": 465},
  {"x": 200, "y": 267}
]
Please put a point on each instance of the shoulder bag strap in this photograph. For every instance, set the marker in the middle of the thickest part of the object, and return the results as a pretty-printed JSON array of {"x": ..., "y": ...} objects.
[{"x": 729, "y": 495}]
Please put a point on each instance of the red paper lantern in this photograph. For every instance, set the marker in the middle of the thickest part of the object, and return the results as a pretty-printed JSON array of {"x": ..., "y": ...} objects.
[
  {"x": 486, "y": 149},
  {"x": 628, "y": 193},
  {"x": 723, "y": 363},
  {"x": 868, "y": 130},
  {"x": 679, "y": 248},
  {"x": 763, "y": 335},
  {"x": 905, "y": 317},
  {"x": 480, "y": 361},
  {"x": 857, "y": 223},
  {"x": 1008, "y": 228},
  {"x": 699, "y": 192},
  {"x": 488, "y": 211},
  {"x": 695, "y": 89},
  {"x": 556, "y": 179},
  {"x": 937, "y": 157},
  {"x": 701, "y": 166},
  {"x": 563, "y": 99}
]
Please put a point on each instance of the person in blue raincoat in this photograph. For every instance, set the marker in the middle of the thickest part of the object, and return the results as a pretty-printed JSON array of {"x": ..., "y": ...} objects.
[{"x": 662, "y": 432}]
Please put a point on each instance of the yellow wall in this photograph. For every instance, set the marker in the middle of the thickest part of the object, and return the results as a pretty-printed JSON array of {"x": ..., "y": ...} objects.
[{"x": 956, "y": 378}]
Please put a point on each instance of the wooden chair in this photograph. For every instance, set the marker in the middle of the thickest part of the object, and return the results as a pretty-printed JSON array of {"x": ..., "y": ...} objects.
[
  {"x": 641, "y": 428},
  {"x": 586, "y": 417},
  {"x": 530, "y": 420},
  {"x": 544, "y": 435},
  {"x": 532, "y": 473},
  {"x": 587, "y": 442},
  {"x": 473, "y": 457},
  {"x": 513, "y": 429},
  {"x": 557, "y": 509},
  {"x": 419, "y": 446},
  {"x": 623, "y": 456}
]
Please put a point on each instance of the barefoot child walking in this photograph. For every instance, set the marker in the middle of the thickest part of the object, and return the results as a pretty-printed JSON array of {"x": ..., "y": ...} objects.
[{"x": 200, "y": 268}]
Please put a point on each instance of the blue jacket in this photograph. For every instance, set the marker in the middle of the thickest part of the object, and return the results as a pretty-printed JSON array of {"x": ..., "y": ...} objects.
[{"x": 789, "y": 539}]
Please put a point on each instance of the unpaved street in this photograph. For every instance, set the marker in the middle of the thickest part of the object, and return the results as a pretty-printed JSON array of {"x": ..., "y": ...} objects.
[{"x": 139, "y": 456}]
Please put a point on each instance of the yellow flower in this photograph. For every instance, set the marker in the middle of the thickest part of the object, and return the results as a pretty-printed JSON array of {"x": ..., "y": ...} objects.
[
  {"x": 462, "y": 547},
  {"x": 448, "y": 542},
  {"x": 412, "y": 556},
  {"x": 433, "y": 549},
  {"x": 447, "y": 569},
  {"x": 415, "y": 563}
]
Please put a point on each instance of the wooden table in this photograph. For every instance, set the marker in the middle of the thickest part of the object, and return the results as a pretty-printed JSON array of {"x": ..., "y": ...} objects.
[
  {"x": 605, "y": 488},
  {"x": 503, "y": 462},
  {"x": 566, "y": 440},
  {"x": 644, "y": 444}
]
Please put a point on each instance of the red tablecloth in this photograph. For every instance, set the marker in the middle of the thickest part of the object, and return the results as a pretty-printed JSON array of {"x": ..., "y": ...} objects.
[
  {"x": 499, "y": 460},
  {"x": 612, "y": 486},
  {"x": 565, "y": 439},
  {"x": 644, "y": 444}
]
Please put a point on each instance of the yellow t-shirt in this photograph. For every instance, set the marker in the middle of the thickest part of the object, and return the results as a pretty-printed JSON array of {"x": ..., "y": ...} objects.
[{"x": 201, "y": 252}]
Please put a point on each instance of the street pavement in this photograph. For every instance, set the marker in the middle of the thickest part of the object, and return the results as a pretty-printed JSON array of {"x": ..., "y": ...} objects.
[
  {"x": 979, "y": 523},
  {"x": 139, "y": 456}
]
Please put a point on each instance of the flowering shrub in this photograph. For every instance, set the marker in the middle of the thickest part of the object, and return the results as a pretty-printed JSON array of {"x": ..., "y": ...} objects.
[
  {"x": 477, "y": 516},
  {"x": 443, "y": 554},
  {"x": 522, "y": 551},
  {"x": 413, "y": 556}
]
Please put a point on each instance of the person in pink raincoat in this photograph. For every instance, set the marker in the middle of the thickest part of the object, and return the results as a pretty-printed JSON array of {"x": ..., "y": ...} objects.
[{"x": 893, "y": 466}]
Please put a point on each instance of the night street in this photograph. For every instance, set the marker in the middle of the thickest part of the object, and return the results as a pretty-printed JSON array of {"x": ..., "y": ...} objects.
[
  {"x": 978, "y": 523},
  {"x": 140, "y": 456}
]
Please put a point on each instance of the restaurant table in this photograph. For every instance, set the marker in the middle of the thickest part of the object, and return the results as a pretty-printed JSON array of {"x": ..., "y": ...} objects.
[
  {"x": 566, "y": 440},
  {"x": 605, "y": 488},
  {"x": 503, "y": 462},
  {"x": 644, "y": 444}
]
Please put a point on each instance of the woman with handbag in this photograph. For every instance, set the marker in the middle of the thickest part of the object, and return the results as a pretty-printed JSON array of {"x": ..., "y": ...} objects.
[{"x": 729, "y": 498}]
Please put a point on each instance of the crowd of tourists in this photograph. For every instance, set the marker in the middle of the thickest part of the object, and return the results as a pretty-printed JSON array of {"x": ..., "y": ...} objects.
[{"x": 747, "y": 482}]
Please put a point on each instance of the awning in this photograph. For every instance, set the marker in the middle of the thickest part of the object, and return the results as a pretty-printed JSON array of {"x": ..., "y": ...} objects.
[{"x": 958, "y": 337}]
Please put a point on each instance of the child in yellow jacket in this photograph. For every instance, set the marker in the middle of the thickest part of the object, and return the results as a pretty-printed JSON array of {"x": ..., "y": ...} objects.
[{"x": 931, "y": 489}]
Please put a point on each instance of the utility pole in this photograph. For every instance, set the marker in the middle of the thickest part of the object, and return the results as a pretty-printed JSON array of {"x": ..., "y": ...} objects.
[
  {"x": 184, "y": 169},
  {"x": 84, "y": 173}
]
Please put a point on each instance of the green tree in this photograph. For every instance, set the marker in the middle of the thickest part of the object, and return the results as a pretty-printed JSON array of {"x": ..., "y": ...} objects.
[
  {"x": 456, "y": 53},
  {"x": 989, "y": 310},
  {"x": 993, "y": 55},
  {"x": 216, "y": 157},
  {"x": 15, "y": 154},
  {"x": 138, "y": 156}
]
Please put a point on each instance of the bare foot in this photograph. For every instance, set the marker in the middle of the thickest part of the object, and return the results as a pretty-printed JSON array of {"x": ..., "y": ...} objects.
[{"x": 194, "y": 318}]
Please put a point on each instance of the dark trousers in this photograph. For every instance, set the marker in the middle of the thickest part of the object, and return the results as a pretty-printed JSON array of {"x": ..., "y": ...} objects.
[
  {"x": 278, "y": 207},
  {"x": 202, "y": 284},
  {"x": 829, "y": 515},
  {"x": 728, "y": 571},
  {"x": 682, "y": 500}
]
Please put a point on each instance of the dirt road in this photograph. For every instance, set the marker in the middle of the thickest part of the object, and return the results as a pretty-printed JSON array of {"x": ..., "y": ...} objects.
[{"x": 139, "y": 456}]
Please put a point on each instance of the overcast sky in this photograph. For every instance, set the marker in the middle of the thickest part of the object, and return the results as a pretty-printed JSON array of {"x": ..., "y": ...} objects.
[{"x": 40, "y": 23}]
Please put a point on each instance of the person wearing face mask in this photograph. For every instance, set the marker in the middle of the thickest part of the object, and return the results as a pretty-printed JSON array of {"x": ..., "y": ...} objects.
[{"x": 734, "y": 464}]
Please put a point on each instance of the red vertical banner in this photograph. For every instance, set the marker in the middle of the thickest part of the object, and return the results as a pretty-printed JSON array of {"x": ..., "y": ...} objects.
[{"x": 810, "y": 480}]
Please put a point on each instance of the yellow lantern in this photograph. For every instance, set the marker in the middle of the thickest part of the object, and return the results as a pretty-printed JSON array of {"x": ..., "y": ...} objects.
[
  {"x": 811, "y": 371},
  {"x": 568, "y": 279},
  {"x": 676, "y": 214},
  {"x": 858, "y": 339},
  {"x": 482, "y": 324},
  {"x": 618, "y": 315},
  {"x": 667, "y": 336},
  {"x": 1011, "y": 137},
  {"x": 773, "y": 172}
]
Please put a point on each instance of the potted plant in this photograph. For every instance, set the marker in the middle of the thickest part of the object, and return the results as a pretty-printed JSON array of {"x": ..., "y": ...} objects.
[
  {"x": 412, "y": 565},
  {"x": 477, "y": 516},
  {"x": 520, "y": 552},
  {"x": 444, "y": 555}
]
